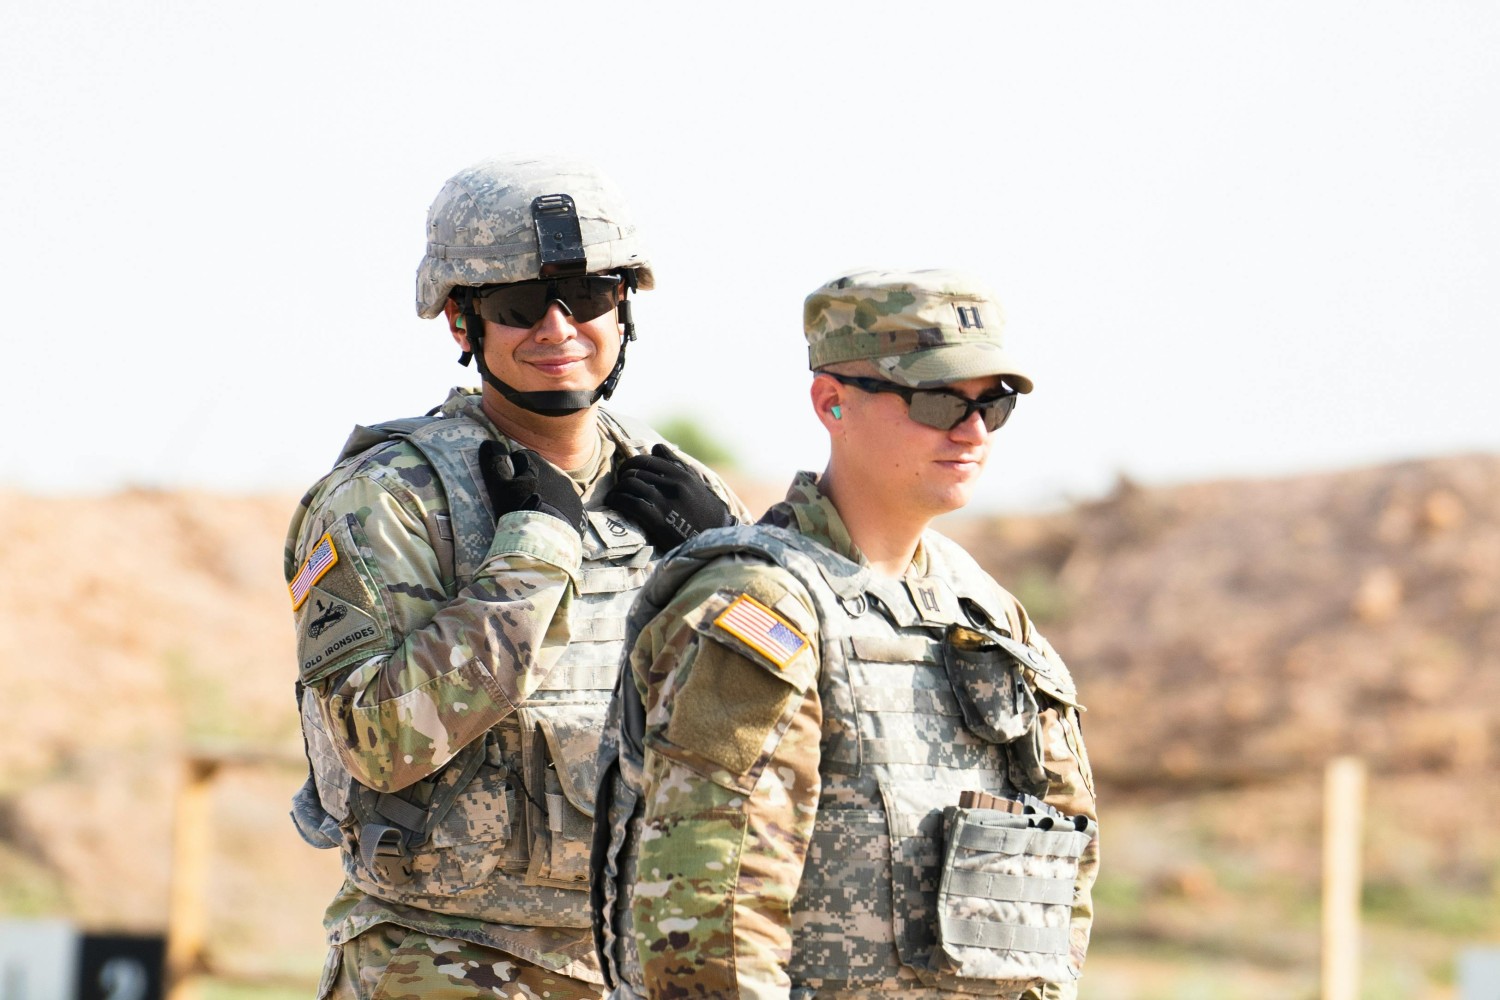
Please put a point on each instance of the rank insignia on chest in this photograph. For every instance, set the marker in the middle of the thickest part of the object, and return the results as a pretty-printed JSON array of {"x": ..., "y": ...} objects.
[
  {"x": 319, "y": 561},
  {"x": 934, "y": 600},
  {"x": 762, "y": 629}
]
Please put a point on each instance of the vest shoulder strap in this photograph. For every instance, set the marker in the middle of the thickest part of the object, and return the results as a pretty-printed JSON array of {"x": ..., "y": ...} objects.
[
  {"x": 363, "y": 438},
  {"x": 799, "y": 555},
  {"x": 450, "y": 446}
]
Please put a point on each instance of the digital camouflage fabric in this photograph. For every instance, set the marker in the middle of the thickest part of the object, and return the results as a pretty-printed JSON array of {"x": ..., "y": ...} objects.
[
  {"x": 920, "y": 328},
  {"x": 775, "y": 793},
  {"x": 455, "y": 672}
]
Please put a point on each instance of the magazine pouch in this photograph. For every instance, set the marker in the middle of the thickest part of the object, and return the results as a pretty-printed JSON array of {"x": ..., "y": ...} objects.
[
  {"x": 1005, "y": 896},
  {"x": 559, "y": 747},
  {"x": 986, "y": 673}
]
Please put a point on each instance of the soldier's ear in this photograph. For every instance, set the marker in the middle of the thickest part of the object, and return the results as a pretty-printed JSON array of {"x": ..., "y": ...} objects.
[
  {"x": 456, "y": 325},
  {"x": 828, "y": 402}
]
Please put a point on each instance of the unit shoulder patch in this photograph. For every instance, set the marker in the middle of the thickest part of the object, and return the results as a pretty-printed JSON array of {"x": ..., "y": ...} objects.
[
  {"x": 329, "y": 629},
  {"x": 319, "y": 561},
  {"x": 762, "y": 629}
]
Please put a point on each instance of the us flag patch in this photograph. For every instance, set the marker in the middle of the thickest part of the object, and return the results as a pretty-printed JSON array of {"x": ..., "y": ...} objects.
[
  {"x": 761, "y": 629},
  {"x": 319, "y": 561}
]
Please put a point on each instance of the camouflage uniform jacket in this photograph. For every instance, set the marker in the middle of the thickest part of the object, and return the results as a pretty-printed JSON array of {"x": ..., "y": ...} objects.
[
  {"x": 454, "y": 675},
  {"x": 778, "y": 760}
]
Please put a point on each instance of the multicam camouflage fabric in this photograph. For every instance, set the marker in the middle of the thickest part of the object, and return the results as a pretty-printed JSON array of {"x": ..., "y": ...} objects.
[
  {"x": 826, "y": 776},
  {"x": 480, "y": 229},
  {"x": 393, "y": 963},
  {"x": 447, "y": 661},
  {"x": 919, "y": 328}
]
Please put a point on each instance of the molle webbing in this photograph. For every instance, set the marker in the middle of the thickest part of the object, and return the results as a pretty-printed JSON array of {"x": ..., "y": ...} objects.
[
  {"x": 1028, "y": 890},
  {"x": 1011, "y": 937},
  {"x": 1009, "y": 840}
]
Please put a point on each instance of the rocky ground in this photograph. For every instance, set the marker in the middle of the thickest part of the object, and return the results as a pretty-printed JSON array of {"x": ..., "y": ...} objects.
[{"x": 1229, "y": 638}]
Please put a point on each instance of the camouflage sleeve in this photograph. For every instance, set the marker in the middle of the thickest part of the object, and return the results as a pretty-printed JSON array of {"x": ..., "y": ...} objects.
[
  {"x": 727, "y": 676},
  {"x": 405, "y": 675},
  {"x": 1071, "y": 790}
]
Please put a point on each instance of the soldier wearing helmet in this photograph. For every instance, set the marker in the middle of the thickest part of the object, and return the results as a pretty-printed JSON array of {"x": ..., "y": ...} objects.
[
  {"x": 841, "y": 760},
  {"x": 459, "y": 583}
]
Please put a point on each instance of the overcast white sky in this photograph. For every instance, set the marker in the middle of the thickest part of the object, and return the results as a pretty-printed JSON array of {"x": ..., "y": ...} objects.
[{"x": 1232, "y": 239}]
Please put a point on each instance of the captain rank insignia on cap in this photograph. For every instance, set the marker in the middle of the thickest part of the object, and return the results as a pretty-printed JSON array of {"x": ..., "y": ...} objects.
[
  {"x": 322, "y": 559},
  {"x": 762, "y": 629}
]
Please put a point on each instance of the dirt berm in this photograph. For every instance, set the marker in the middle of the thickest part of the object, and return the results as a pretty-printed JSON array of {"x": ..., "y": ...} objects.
[{"x": 1228, "y": 638}]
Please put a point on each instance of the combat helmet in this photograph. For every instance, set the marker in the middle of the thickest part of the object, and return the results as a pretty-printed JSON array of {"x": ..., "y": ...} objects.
[{"x": 526, "y": 218}]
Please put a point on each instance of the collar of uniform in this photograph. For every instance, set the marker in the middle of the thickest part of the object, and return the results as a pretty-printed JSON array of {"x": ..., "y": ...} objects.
[
  {"x": 814, "y": 515},
  {"x": 808, "y": 509},
  {"x": 467, "y": 403},
  {"x": 463, "y": 402}
]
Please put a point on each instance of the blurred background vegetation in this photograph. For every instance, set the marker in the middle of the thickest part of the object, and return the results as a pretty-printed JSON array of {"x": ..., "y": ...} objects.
[{"x": 689, "y": 434}]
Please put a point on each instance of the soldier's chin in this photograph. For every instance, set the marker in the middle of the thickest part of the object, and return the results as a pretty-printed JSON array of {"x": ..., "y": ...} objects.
[{"x": 958, "y": 495}]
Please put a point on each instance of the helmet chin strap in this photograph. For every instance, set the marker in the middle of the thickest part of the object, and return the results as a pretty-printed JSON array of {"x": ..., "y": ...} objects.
[{"x": 551, "y": 402}]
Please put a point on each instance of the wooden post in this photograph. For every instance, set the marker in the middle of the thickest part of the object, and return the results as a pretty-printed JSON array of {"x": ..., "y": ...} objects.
[
  {"x": 187, "y": 920},
  {"x": 1343, "y": 827}
]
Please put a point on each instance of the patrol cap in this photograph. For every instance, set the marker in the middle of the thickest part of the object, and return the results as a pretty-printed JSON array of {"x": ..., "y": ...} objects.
[
  {"x": 920, "y": 328},
  {"x": 482, "y": 228}
]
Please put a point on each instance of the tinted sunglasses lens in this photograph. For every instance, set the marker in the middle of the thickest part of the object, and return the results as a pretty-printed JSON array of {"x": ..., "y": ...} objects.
[
  {"x": 997, "y": 411},
  {"x": 524, "y": 304},
  {"x": 936, "y": 409},
  {"x": 945, "y": 411},
  {"x": 590, "y": 296},
  {"x": 515, "y": 305}
]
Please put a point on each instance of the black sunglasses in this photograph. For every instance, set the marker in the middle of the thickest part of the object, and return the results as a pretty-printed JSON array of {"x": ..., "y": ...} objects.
[
  {"x": 524, "y": 303},
  {"x": 944, "y": 409}
]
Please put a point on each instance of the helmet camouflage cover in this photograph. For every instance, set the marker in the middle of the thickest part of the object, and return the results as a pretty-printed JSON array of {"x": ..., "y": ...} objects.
[
  {"x": 480, "y": 229},
  {"x": 919, "y": 328}
]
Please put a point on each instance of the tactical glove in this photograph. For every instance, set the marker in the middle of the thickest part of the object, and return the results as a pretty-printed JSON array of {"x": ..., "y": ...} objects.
[
  {"x": 523, "y": 480},
  {"x": 670, "y": 502}
]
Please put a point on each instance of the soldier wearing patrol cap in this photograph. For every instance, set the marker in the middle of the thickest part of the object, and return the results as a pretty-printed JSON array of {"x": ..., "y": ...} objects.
[
  {"x": 460, "y": 583},
  {"x": 841, "y": 760}
]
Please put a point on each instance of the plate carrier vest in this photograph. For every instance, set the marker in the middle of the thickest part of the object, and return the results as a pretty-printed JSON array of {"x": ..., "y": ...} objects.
[
  {"x": 896, "y": 753},
  {"x": 500, "y": 832}
]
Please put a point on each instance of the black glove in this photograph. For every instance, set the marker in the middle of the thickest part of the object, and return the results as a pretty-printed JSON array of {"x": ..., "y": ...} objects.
[
  {"x": 669, "y": 501},
  {"x": 523, "y": 480}
]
